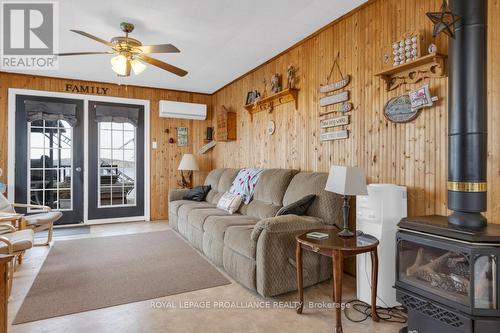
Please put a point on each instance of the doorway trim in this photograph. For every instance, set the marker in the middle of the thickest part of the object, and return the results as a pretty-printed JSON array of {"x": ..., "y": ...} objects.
[{"x": 11, "y": 144}]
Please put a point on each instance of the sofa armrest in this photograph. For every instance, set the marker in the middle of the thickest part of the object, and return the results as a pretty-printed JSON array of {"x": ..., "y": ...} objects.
[
  {"x": 286, "y": 223},
  {"x": 177, "y": 194}
]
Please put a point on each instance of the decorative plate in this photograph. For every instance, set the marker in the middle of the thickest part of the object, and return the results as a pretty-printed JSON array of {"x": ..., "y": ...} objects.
[{"x": 271, "y": 127}]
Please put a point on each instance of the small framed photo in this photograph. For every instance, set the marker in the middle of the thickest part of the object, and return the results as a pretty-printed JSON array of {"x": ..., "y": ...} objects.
[{"x": 250, "y": 97}]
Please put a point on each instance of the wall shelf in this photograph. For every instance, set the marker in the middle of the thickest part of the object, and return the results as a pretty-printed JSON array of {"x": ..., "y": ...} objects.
[
  {"x": 428, "y": 66},
  {"x": 270, "y": 102}
]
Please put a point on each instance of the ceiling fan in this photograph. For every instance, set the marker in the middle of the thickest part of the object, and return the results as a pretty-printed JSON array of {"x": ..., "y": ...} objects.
[{"x": 131, "y": 55}]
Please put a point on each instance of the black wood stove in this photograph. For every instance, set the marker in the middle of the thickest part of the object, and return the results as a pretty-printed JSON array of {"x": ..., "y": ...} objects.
[{"x": 447, "y": 272}]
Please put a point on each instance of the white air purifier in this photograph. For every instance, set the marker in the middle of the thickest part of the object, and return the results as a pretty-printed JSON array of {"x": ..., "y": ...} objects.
[{"x": 378, "y": 214}]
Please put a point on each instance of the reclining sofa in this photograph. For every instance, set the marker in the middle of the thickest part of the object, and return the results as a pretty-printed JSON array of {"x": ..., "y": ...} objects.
[{"x": 253, "y": 246}]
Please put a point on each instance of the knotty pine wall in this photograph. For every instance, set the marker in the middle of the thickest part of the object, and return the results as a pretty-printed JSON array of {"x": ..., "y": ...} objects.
[
  {"x": 412, "y": 154},
  {"x": 164, "y": 160}
]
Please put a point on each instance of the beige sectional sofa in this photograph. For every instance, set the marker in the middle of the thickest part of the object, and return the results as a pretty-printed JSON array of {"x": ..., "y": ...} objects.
[{"x": 253, "y": 246}]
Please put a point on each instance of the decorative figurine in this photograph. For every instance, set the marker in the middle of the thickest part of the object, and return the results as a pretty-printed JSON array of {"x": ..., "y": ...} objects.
[
  {"x": 290, "y": 73},
  {"x": 275, "y": 83}
]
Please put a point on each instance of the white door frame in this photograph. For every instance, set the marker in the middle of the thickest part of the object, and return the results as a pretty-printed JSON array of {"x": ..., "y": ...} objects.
[{"x": 85, "y": 98}]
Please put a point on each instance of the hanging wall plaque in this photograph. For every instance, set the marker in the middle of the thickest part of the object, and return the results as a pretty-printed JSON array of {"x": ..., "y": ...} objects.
[
  {"x": 398, "y": 109},
  {"x": 335, "y": 135},
  {"x": 182, "y": 136},
  {"x": 344, "y": 107},
  {"x": 335, "y": 85},
  {"x": 332, "y": 122},
  {"x": 334, "y": 99}
]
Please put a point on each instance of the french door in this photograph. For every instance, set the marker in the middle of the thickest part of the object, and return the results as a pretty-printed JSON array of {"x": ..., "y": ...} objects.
[
  {"x": 116, "y": 160},
  {"x": 49, "y": 155}
]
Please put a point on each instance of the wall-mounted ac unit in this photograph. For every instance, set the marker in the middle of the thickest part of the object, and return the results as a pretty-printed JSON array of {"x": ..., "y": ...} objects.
[{"x": 172, "y": 109}]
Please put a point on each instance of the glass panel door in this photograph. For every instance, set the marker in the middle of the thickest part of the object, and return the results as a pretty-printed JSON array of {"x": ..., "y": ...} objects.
[
  {"x": 116, "y": 164},
  {"x": 49, "y": 161}
]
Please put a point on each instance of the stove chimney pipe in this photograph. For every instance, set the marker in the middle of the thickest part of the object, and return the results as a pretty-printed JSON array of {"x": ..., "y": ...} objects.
[{"x": 467, "y": 116}]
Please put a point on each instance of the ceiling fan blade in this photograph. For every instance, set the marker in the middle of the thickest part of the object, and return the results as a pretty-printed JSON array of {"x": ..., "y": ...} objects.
[
  {"x": 86, "y": 34},
  {"x": 163, "y": 65},
  {"x": 161, "y": 48},
  {"x": 80, "y": 53}
]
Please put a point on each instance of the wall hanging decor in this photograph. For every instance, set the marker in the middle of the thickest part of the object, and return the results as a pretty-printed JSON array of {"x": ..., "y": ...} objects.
[
  {"x": 271, "y": 127},
  {"x": 207, "y": 147},
  {"x": 421, "y": 97},
  {"x": 332, "y": 122},
  {"x": 335, "y": 135},
  {"x": 444, "y": 21},
  {"x": 182, "y": 136},
  {"x": 344, "y": 107},
  {"x": 334, "y": 99},
  {"x": 398, "y": 109},
  {"x": 226, "y": 125},
  {"x": 335, "y": 85}
]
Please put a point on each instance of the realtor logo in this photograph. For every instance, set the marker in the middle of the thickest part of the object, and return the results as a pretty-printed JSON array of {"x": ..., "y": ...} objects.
[{"x": 29, "y": 31}]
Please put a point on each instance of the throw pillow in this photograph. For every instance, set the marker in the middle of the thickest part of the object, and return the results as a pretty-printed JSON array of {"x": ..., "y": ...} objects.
[
  {"x": 298, "y": 207},
  {"x": 229, "y": 202},
  {"x": 198, "y": 193}
]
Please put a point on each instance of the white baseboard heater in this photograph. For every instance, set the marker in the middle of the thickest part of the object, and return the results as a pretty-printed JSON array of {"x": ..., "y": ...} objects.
[{"x": 182, "y": 110}]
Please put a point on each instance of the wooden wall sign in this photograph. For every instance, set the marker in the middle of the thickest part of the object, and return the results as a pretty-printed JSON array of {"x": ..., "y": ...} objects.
[
  {"x": 335, "y": 135},
  {"x": 344, "y": 107},
  {"x": 398, "y": 109},
  {"x": 334, "y": 99},
  {"x": 335, "y": 85},
  {"x": 85, "y": 89},
  {"x": 332, "y": 122},
  {"x": 182, "y": 136}
]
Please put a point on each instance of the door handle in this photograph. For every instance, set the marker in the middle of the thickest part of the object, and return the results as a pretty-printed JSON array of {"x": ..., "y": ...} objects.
[{"x": 78, "y": 169}]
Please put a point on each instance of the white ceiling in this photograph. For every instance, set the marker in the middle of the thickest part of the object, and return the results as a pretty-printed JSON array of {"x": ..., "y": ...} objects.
[{"x": 219, "y": 39}]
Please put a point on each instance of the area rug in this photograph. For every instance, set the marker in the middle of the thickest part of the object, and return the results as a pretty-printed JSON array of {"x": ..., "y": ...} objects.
[
  {"x": 65, "y": 231},
  {"x": 93, "y": 273}
]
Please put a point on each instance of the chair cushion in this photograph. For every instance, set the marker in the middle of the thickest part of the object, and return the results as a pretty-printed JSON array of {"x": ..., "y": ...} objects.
[
  {"x": 21, "y": 240},
  {"x": 238, "y": 239},
  {"x": 197, "y": 217},
  {"x": 43, "y": 218},
  {"x": 5, "y": 205},
  {"x": 215, "y": 226}
]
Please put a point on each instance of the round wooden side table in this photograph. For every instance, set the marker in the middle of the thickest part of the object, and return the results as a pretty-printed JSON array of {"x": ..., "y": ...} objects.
[{"x": 338, "y": 248}]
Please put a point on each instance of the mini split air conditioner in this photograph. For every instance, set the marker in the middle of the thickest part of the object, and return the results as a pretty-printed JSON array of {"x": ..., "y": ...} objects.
[{"x": 172, "y": 109}]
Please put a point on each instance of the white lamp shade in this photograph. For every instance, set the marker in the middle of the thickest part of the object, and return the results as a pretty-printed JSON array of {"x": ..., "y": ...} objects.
[
  {"x": 188, "y": 163},
  {"x": 346, "y": 180}
]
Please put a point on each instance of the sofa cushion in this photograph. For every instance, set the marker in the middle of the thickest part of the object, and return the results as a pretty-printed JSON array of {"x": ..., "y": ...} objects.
[
  {"x": 225, "y": 180},
  {"x": 238, "y": 239},
  {"x": 186, "y": 208},
  {"x": 213, "y": 180},
  {"x": 215, "y": 226},
  {"x": 197, "y": 217},
  {"x": 327, "y": 205},
  {"x": 173, "y": 206},
  {"x": 269, "y": 192}
]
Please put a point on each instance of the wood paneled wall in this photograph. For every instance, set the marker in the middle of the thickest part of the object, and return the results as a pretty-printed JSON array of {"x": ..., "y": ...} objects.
[
  {"x": 164, "y": 160},
  {"x": 412, "y": 154}
]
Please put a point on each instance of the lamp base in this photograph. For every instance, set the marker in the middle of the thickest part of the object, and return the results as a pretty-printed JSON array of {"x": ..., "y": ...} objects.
[{"x": 345, "y": 233}]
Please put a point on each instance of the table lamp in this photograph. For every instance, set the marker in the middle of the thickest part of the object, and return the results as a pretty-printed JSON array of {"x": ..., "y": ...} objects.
[
  {"x": 189, "y": 164},
  {"x": 346, "y": 181}
]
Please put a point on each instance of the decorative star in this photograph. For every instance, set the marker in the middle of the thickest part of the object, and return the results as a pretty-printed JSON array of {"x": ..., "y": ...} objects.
[{"x": 444, "y": 21}]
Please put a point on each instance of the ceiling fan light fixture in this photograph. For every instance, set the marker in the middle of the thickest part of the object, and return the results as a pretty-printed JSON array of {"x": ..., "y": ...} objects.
[
  {"x": 137, "y": 66},
  {"x": 119, "y": 64}
]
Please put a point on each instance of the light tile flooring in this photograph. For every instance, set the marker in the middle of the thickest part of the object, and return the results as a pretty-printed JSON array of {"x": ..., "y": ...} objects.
[{"x": 144, "y": 317}]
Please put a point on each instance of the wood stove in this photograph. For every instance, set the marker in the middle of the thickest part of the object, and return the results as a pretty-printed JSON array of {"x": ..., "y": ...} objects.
[{"x": 447, "y": 273}]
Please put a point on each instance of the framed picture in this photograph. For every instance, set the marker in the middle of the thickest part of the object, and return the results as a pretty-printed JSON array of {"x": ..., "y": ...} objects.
[
  {"x": 250, "y": 97},
  {"x": 182, "y": 136}
]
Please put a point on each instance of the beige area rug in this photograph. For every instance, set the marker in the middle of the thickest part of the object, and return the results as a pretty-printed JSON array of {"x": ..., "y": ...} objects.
[{"x": 93, "y": 273}]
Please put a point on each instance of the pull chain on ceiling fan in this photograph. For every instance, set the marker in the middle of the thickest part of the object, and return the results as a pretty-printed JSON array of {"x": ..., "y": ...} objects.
[{"x": 130, "y": 54}]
